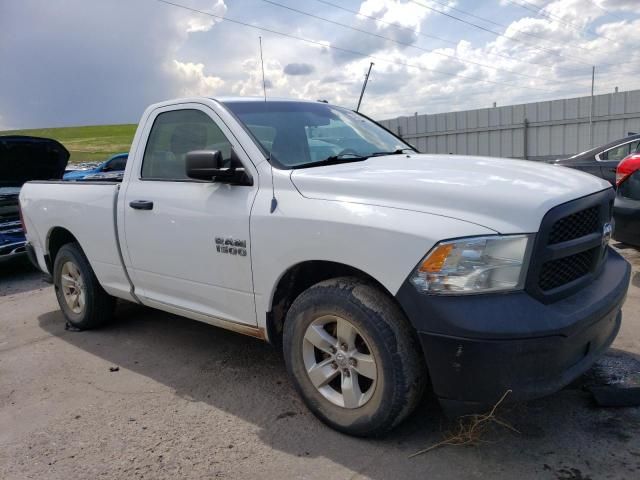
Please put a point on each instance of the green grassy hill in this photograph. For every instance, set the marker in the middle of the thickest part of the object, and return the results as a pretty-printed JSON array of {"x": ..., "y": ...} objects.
[{"x": 90, "y": 143}]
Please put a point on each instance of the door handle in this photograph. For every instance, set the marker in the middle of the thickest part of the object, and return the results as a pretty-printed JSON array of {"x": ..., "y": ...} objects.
[{"x": 141, "y": 204}]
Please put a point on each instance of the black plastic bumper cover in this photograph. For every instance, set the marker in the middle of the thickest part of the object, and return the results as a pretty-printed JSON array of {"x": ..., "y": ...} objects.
[
  {"x": 31, "y": 255},
  {"x": 479, "y": 346}
]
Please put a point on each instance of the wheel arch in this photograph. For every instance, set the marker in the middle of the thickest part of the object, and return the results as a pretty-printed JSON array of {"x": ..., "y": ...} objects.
[
  {"x": 56, "y": 239},
  {"x": 299, "y": 277}
]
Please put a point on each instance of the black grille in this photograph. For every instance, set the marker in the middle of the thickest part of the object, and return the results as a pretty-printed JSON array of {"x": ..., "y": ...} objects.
[
  {"x": 576, "y": 225},
  {"x": 569, "y": 252},
  {"x": 556, "y": 273}
]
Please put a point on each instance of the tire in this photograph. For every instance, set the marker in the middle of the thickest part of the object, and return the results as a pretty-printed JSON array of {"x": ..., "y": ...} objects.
[
  {"x": 385, "y": 393},
  {"x": 73, "y": 278}
]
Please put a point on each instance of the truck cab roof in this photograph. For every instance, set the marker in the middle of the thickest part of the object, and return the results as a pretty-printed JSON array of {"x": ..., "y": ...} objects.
[{"x": 262, "y": 99}]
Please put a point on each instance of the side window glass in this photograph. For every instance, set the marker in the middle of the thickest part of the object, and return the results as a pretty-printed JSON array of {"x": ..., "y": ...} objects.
[
  {"x": 173, "y": 135},
  {"x": 634, "y": 147},
  {"x": 616, "y": 153}
]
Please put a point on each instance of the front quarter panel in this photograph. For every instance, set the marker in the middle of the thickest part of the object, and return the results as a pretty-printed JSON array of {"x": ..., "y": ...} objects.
[{"x": 386, "y": 243}]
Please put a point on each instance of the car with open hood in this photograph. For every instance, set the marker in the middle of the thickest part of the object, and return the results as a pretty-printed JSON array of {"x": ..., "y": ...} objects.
[{"x": 23, "y": 158}]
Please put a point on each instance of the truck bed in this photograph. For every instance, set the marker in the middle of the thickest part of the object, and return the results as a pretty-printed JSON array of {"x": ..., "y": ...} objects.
[{"x": 85, "y": 209}]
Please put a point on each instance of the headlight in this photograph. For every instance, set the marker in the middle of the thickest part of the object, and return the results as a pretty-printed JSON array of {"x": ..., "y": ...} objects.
[{"x": 475, "y": 265}]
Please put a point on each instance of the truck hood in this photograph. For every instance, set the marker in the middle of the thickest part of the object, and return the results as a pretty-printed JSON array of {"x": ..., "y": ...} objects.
[
  {"x": 508, "y": 196},
  {"x": 30, "y": 158}
]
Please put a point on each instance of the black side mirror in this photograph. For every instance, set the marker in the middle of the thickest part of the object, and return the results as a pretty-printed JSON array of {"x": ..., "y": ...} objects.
[
  {"x": 208, "y": 165},
  {"x": 203, "y": 164}
]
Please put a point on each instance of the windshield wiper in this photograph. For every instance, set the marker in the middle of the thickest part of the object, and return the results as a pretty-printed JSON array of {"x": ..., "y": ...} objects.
[
  {"x": 349, "y": 157},
  {"x": 399, "y": 151},
  {"x": 335, "y": 159}
]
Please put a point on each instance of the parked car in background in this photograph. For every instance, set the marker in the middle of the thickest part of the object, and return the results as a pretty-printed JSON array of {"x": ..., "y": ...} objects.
[
  {"x": 603, "y": 160},
  {"x": 114, "y": 165},
  {"x": 626, "y": 209},
  {"x": 74, "y": 167},
  {"x": 112, "y": 176},
  {"x": 22, "y": 159}
]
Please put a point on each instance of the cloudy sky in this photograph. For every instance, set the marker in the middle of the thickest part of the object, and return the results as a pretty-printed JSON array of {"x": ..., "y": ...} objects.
[{"x": 79, "y": 62}]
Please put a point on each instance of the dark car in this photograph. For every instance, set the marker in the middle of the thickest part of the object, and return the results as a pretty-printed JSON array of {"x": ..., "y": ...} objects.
[
  {"x": 603, "y": 160},
  {"x": 22, "y": 159},
  {"x": 626, "y": 209}
]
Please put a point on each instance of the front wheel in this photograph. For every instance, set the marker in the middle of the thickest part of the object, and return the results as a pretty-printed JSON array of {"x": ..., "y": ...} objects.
[
  {"x": 353, "y": 357},
  {"x": 82, "y": 299}
]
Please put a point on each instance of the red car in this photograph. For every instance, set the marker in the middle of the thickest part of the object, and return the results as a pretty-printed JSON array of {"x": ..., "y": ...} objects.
[{"x": 626, "y": 209}]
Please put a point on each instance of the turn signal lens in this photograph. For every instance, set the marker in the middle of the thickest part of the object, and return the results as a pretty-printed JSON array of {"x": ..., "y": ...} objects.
[{"x": 435, "y": 261}]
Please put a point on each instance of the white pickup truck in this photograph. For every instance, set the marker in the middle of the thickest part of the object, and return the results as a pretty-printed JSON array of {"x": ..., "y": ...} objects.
[{"x": 379, "y": 271}]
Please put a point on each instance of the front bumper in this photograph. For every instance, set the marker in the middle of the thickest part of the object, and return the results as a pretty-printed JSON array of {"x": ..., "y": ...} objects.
[
  {"x": 479, "y": 346},
  {"x": 12, "y": 250}
]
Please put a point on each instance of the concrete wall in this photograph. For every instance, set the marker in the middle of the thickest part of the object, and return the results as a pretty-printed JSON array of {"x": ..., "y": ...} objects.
[{"x": 537, "y": 131}]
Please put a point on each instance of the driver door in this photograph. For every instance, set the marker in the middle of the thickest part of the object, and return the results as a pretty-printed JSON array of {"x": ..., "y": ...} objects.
[{"x": 174, "y": 225}]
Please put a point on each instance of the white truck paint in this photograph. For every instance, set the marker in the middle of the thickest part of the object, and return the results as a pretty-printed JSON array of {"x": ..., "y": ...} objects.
[{"x": 380, "y": 216}]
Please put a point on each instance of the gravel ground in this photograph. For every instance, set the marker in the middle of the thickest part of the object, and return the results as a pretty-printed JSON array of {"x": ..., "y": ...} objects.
[{"x": 158, "y": 396}]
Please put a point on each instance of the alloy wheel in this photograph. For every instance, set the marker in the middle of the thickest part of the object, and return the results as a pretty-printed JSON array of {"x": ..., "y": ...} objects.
[
  {"x": 73, "y": 288},
  {"x": 339, "y": 362}
]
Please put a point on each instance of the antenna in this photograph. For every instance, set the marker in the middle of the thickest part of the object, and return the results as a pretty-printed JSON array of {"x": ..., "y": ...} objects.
[
  {"x": 364, "y": 85},
  {"x": 264, "y": 85},
  {"x": 274, "y": 201}
]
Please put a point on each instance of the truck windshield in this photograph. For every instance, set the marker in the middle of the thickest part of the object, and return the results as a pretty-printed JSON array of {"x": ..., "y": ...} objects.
[{"x": 306, "y": 134}]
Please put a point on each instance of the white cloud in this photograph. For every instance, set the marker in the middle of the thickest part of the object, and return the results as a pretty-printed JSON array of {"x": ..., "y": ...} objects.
[
  {"x": 623, "y": 5},
  {"x": 90, "y": 72},
  {"x": 398, "y": 21},
  {"x": 201, "y": 23},
  {"x": 274, "y": 75},
  {"x": 575, "y": 13},
  {"x": 194, "y": 82},
  {"x": 96, "y": 62},
  {"x": 568, "y": 53},
  {"x": 406, "y": 14}
]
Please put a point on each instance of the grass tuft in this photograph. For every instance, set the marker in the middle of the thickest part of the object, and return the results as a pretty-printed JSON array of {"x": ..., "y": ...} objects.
[{"x": 470, "y": 429}]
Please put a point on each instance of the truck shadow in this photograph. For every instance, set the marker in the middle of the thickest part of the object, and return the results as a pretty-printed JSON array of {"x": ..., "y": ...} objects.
[
  {"x": 19, "y": 276},
  {"x": 246, "y": 378}
]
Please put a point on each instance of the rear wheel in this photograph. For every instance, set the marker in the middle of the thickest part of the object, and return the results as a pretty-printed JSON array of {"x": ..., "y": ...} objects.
[
  {"x": 83, "y": 301},
  {"x": 353, "y": 357}
]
